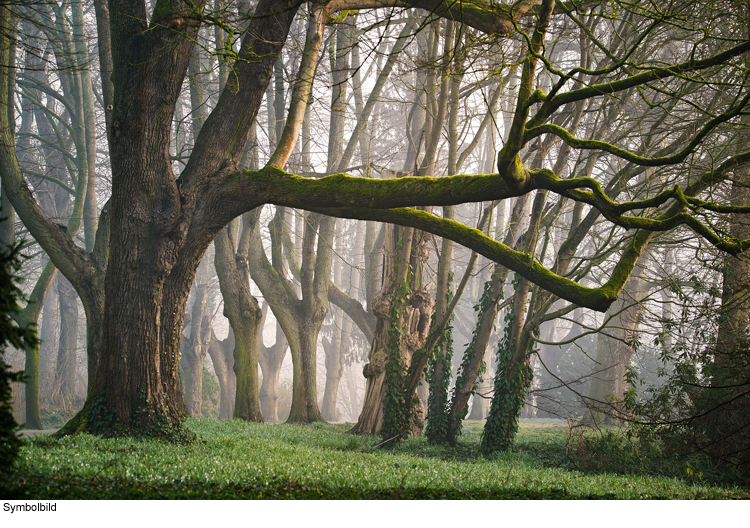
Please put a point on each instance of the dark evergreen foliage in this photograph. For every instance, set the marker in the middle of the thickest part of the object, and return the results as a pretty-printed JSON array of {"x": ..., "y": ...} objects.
[{"x": 10, "y": 336}]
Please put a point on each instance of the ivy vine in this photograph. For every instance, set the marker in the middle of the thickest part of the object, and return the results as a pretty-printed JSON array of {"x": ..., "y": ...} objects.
[
  {"x": 481, "y": 308},
  {"x": 436, "y": 429},
  {"x": 512, "y": 384},
  {"x": 396, "y": 417}
]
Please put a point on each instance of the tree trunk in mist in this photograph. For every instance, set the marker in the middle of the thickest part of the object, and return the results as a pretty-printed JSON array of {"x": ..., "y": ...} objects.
[
  {"x": 334, "y": 361},
  {"x": 614, "y": 349},
  {"x": 48, "y": 338},
  {"x": 67, "y": 356},
  {"x": 244, "y": 314},
  {"x": 195, "y": 348},
  {"x": 413, "y": 322},
  {"x": 335, "y": 350},
  {"x": 271, "y": 359},
  {"x": 300, "y": 319},
  {"x": 222, "y": 356}
]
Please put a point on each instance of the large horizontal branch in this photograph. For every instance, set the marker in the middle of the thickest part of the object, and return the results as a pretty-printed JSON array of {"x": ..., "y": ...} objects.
[
  {"x": 248, "y": 189},
  {"x": 522, "y": 263},
  {"x": 487, "y": 17}
]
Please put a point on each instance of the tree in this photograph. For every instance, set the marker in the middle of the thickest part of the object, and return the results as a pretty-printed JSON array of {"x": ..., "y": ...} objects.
[
  {"x": 134, "y": 281},
  {"x": 10, "y": 335}
]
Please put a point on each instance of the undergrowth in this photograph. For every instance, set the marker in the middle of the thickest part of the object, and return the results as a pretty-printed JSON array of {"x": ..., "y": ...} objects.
[{"x": 234, "y": 459}]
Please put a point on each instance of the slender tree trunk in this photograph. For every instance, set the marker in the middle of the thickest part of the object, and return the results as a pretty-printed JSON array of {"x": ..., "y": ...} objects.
[
  {"x": 244, "y": 314},
  {"x": 614, "y": 349},
  {"x": 67, "y": 357},
  {"x": 195, "y": 348},
  {"x": 335, "y": 350},
  {"x": 48, "y": 337},
  {"x": 271, "y": 359},
  {"x": 222, "y": 356}
]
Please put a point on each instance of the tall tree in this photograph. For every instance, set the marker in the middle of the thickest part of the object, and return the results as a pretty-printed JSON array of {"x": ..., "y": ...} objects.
[{"x": 135, "y": 281}]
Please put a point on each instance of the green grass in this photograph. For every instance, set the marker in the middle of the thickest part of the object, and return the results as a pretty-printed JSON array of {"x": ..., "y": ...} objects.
[{"x": 234, "y": 459}]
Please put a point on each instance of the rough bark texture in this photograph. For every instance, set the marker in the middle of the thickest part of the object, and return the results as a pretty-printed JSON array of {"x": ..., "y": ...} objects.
[{"x": 413, "y": 322}]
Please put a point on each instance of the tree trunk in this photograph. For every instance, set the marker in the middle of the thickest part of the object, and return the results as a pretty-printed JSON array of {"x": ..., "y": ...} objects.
[
  {"x": 244, "y": 314},
  {"x": 413, "y": 321},
  {"x": 370, "y": 419},
  {"x": 48, "y": 337},
  {"x": 67, "y": 357},
  {"x": 489, "y": 304},
  {"x": 335, "y": 350},
  {"x": 335, "y": 359},
  {"x": 222, "y": 356},
  {"x": 614, "y": 350},
  {"x": 271, "y": 359}
]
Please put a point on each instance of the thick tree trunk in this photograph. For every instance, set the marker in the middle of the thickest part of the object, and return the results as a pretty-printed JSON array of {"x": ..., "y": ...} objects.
[
  {"x": 247, "y": 402},
  {"x": 732, "y": 337},
  {"x": 304, "y": 386},
  {"x": 721, "y": 410},
  {"x": 413, "y": 321},
  {"x": 370, "y": 419}
]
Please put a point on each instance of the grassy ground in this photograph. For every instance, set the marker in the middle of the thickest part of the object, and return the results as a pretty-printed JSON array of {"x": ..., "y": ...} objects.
[{"x": 235, "y": 459}]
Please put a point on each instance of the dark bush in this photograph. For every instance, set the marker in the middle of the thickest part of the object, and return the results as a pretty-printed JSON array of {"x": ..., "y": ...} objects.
[{"x": 10, "y": 336}]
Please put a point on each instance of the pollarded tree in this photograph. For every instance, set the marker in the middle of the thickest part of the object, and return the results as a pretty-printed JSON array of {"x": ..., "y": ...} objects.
[{"x": 134, "y": 286}]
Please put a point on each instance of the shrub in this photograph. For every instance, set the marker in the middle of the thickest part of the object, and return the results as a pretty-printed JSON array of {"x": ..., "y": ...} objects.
[{"x": 10, "y": 335}]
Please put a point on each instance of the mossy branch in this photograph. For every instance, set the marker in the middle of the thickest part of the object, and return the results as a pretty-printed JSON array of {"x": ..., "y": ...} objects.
[{"x": 522, "y": 263}]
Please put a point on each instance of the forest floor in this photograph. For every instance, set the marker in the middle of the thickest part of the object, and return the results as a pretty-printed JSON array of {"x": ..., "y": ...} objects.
[{"x": 239, "y": 460}]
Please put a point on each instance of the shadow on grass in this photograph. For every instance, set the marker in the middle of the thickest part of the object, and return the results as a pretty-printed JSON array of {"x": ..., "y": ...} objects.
[{"x": 33, "y": 486}]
